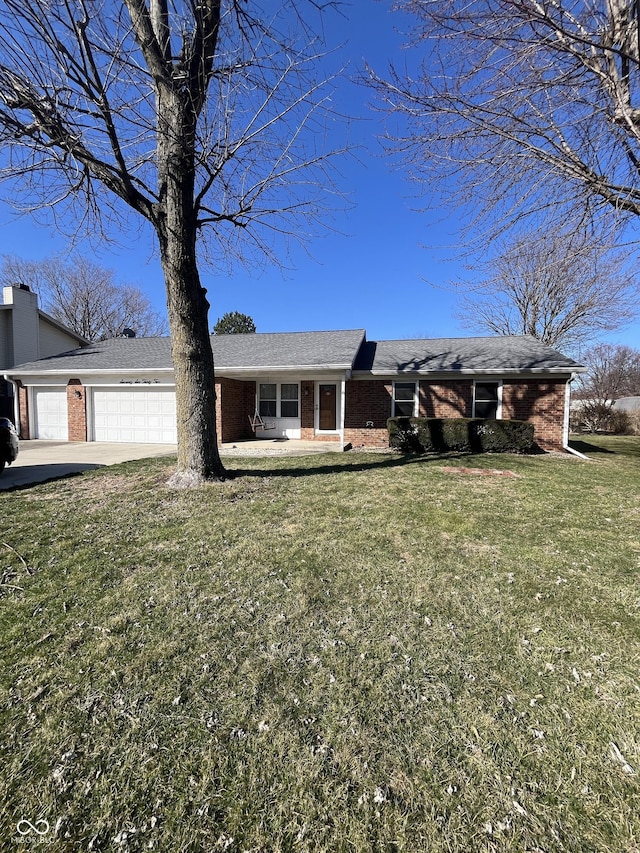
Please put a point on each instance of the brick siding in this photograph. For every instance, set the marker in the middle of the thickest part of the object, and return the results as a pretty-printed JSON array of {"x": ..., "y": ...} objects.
[
  {"x": 540, "y": 401},
  {"x": 307, "y": 410},
  {"x": 367, "y": 409},
  {"x": 77, "y": 410},
  {"x": 446, "y": 398},
  {"x": 23, "y": 405},
  {"x": 236, "y": 403}
]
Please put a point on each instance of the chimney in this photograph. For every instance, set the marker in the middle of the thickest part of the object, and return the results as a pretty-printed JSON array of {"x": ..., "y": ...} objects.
[{"x": 25, "y": 327}]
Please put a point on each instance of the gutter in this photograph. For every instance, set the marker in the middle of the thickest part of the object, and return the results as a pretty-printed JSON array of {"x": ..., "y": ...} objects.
[{"x": 444, "y": 373}]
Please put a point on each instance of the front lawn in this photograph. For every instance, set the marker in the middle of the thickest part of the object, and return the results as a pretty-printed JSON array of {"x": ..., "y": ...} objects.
[{"x": 352, "y": 652}]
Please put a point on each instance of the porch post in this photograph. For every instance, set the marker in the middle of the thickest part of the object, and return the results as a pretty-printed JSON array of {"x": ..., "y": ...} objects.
[{"x": 343, "y": 400}]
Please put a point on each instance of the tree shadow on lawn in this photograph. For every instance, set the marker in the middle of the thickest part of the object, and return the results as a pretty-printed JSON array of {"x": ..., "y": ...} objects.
[
  {"x": 348, "y": 467},
  {"x": 589, "y": 449}
]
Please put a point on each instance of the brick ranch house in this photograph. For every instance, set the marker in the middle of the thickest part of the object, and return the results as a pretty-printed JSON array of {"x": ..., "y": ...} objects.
[{"x": 329, "y": 386}]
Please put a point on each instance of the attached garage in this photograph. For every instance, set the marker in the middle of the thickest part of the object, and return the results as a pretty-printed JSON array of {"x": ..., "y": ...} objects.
[
  {"x": 142, "y": 415},
  {"x": 50, "y": 413}
]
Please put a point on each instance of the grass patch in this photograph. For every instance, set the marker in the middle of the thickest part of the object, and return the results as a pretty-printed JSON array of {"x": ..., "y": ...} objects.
[{"x": 333, "y": 653}]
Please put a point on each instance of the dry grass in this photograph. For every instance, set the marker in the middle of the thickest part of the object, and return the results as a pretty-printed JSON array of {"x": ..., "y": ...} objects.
[{"x": 356, "y": 653}]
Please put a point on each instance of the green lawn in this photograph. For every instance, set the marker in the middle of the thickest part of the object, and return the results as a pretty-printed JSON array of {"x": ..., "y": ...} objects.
[{"x": 352, "y": 652}]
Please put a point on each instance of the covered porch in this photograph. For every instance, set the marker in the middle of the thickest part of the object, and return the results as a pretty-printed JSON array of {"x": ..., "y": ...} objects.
[{"x": 277, "y": 408}]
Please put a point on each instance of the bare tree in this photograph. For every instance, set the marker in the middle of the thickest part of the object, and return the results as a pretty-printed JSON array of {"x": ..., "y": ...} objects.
[
  {"x": 613, "y": 372},
  {"x": 521, "y": 106},
  {"x": 564, "y": 289},
  {"x": 85, "y": 297},
  {"x": 196, "y": 115}
]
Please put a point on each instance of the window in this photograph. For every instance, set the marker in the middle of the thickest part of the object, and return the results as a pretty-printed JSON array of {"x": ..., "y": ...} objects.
[
  {"x": 279, "y": 401},
  {"x": 289, "y": 400},
  {"x": 486, "y": 400},
  {"x": 268, "y": 400},
  {"x": 404, "y": 399}
]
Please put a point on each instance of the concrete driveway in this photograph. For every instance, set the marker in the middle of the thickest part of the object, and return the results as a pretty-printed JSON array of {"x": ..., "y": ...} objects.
[{"x": 39, "y": 461}]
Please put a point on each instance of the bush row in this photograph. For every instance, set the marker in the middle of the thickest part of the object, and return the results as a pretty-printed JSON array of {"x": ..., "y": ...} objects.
[{"x": 423, "y": 435}]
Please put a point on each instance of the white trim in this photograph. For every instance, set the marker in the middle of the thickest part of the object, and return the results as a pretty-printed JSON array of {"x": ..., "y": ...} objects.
[
  {"x": 284, "y": 426},
  {"x": 89, "y": 411},
  {"x": 416, "y": 395},
  {"x": 70, "y": 372},
  {"x": 491, "y": 381},
  {"x": 343, "y": 403},
  {"x": 316, "y": 406},
  {"x": 278, "y": 415},
  {"x": 435, "y": 375},
  {"x": 567, "y": 407}
]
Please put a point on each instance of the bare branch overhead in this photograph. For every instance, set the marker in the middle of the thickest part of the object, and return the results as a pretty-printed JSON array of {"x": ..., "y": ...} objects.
[{"x": 521, "y": 106}]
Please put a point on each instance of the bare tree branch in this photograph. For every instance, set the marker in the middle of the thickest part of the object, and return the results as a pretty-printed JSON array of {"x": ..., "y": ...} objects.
[
  {"x": 515, "y": 107},
  {"x": 205, "y": 117},
  {"x": 85, "y": 297},
  {"x": 563, "y": 289}
]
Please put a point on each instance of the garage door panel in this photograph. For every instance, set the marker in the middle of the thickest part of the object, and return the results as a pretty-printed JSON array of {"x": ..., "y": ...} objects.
[
  {"x": 135, "y": 415},
  {"x": 50, "y": 406}
]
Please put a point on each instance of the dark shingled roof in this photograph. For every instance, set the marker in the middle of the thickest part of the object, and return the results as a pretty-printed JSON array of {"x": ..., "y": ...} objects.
[
  {"x": 317, "y": 351},
  {"x": 473, "y": 355},
  {"x": 282, "y": 350}
]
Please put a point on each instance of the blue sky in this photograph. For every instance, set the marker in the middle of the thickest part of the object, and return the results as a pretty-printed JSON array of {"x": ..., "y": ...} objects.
[{"x": 385, "y": 269}]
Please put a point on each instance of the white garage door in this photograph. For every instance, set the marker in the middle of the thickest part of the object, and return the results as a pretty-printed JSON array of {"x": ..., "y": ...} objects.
[
  {"x": 50, "y": 405},
  {"x": 136, "y": 414}
]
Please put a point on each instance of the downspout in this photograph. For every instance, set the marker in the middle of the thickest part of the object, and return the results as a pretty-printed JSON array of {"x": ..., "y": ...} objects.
[{"x": 565, "y": 428}]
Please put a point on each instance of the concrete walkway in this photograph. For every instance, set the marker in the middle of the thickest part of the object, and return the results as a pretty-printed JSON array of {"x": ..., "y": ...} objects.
[{"x": 39, "y": 461}]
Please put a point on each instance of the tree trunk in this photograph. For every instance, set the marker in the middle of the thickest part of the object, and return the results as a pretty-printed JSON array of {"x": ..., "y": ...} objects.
[{"x": 187, "y": 305}]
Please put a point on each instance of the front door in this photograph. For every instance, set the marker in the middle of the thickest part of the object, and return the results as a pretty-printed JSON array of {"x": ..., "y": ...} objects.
[{"x": 327, "y": 420}]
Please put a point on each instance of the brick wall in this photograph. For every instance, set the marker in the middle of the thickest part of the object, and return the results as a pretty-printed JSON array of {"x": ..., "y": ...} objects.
[
  {"x": 307, "y": 411},
  {"x": 368, "y": 402},
  {"x": 446, "y": 398},
  {"x": 541, "y": 402},
  {"x": 23, "y": 404},
  {"x": 236, "y": 403},
  {"x": 538, "y": 401},
  {"x": 77, "y": 410}
]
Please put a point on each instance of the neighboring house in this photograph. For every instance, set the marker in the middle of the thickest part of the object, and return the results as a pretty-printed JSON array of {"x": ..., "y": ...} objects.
[
  {"x": 310, "y": 385},
  {"x": 26, "y": 334},
  {"x": 631, "y": 405}
]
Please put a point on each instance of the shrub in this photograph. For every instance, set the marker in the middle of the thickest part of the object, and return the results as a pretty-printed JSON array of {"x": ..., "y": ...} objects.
[
  {"x": 593, "y": 416},
  {"x": 620, "y": 422},
  {"x": 634, "y": 422},
  {"x": 423, "y": 435},
  {"x": 404, "y": 434}
]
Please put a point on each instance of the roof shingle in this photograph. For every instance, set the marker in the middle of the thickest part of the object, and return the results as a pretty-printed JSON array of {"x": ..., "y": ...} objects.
[
  {"x": 259, "y": 351},
  {"x": 473, "y": 355},
  {"x": 339, "y": 350}
]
